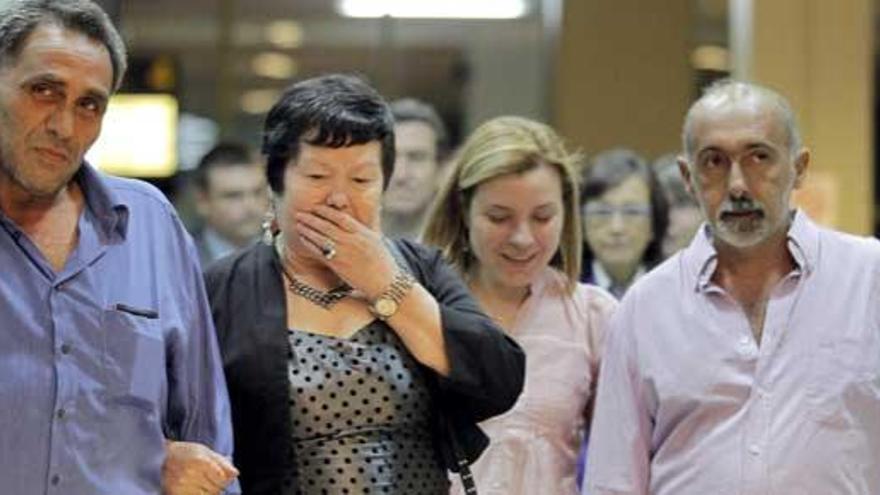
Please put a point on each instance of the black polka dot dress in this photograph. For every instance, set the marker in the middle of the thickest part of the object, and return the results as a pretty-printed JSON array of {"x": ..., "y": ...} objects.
[{"x": 361, "y": 417}]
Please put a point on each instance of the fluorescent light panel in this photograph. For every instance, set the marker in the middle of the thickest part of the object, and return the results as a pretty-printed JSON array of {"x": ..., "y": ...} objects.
[
  {"x": 284, "y": 34},
  {"x": 435, "y": 9},
  {"x": 258, "y": 101},
  {"x": 711, "y": 57},
  {"x": 138, "y": 137},
  {"x": 274, "y": 65}
]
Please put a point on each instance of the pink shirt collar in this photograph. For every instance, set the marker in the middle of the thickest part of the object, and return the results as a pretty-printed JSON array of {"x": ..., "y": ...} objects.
[{"x": 700, "y": 257}]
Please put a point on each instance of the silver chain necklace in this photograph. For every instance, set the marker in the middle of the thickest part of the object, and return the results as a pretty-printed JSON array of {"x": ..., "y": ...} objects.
[{"x": 326, "y": 300}]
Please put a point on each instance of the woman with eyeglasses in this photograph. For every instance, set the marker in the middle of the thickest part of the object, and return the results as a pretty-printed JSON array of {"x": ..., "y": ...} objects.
[{"x": 624, "y": 220}]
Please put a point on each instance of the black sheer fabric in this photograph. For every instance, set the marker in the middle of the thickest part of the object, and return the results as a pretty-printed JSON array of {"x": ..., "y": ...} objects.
[{"x": 361, "y": 417}]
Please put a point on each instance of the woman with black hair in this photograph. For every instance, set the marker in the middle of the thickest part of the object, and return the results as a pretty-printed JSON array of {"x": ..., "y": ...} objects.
[
  {"x": 624, "y": 220},
  {"x": 354, "y": 364}
]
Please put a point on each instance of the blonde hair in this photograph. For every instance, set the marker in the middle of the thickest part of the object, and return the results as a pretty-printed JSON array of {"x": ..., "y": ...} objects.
[{"x": 503, "y": 146}]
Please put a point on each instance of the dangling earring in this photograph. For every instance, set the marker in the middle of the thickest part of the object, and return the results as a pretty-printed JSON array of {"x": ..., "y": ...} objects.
[{"x": 270, "y": 226}]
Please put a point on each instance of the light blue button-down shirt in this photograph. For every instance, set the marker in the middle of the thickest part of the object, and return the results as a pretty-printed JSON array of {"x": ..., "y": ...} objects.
[{"x": 102, "y": 361}]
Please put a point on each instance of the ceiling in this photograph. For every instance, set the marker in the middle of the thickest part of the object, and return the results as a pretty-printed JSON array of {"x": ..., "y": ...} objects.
[{"x": 211, "y": 46}]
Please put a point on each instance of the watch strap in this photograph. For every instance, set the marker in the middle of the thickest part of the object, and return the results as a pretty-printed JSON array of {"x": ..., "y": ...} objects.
[{"x": 400, "y": 286}]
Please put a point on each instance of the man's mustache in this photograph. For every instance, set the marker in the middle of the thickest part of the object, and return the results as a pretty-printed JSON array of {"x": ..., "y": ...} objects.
[{"x": 741, "y": 205}]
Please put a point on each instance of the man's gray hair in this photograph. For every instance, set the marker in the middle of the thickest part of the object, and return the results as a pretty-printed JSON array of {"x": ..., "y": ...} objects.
[
  {"x": 19, "y": 18},
  {"x": 728, "y": 90}
]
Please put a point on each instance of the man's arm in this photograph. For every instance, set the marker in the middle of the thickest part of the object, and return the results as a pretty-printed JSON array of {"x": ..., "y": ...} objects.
[
  {"x": 620, "y": 437},
  {"x": 198, "y": 420}
]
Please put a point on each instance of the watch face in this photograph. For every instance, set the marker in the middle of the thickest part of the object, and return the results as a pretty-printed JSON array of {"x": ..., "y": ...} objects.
[{"x": 385, "y": 307}]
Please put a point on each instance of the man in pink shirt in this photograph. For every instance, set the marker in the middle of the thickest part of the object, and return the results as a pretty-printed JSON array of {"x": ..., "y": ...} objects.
[{"x": 748, "y": 363}]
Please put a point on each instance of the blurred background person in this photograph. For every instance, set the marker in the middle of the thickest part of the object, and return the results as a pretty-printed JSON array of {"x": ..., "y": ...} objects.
[
  {"x": 684, "y": 212},
  {"x": 421, "y": 145},
  {"x": 624, "y": 219},
  {"x": 349, "y": 358},
  {"x": 508, "y": 219},
  {"x": 231, "y": 199}
]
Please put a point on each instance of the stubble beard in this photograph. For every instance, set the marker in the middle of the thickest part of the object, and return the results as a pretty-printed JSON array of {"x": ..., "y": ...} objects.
[
  {"x": 741, "y": 237},
  {"x": 761, "y": 231},
  {"x": 31, "y": 192}
]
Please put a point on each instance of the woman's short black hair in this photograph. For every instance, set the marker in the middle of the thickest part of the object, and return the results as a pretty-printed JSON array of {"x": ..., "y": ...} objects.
[
  {"x": 335, "y": 111},
  {"x": 611, "y": 168}
]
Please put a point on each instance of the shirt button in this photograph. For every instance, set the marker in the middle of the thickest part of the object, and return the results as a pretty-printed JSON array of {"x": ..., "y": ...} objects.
[
  {"x": 744, "y": 341},
  {"x": 61, "y": 413},
  {"x": 754, "y": 450},
  {"x": 56, "y": 479},
  {"x": 65, "y": 348}
]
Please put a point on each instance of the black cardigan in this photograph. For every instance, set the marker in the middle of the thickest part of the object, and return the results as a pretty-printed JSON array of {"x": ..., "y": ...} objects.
[{"x": 248, "y": 304}]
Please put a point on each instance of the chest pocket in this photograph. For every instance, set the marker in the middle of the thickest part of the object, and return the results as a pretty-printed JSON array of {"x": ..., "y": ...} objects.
[
  {"x": 844, "y": 380},
  {"x": 133, "y": 359}
]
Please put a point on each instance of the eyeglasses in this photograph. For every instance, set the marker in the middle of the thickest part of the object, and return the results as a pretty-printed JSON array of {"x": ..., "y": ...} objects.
[{"x": 602, "y": 212}]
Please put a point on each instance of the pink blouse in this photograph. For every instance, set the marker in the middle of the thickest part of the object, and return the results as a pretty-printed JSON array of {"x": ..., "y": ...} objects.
[{"x": 534, "y": 446}]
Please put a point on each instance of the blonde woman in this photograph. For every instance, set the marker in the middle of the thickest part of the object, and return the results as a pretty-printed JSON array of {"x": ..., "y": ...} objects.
[{"x": 508, "y": 219}]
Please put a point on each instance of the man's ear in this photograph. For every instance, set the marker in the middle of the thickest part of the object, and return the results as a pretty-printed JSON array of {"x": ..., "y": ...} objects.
[
  {"x": 801, "y": 164},
  {"x": 685, "y": 172},
  {"x": 200, "y": 196}
]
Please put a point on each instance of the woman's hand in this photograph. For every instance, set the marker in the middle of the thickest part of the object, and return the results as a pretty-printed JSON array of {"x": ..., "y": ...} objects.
[
  {"x": 194, "y": 469},
  {"x": 360, "y": 256}
]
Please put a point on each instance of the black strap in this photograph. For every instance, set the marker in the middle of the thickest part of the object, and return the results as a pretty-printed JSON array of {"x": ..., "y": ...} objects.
[{"x": 464, "y": 468}]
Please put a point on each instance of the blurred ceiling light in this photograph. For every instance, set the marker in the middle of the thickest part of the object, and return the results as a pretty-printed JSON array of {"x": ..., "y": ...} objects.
[
  {"x": 711, "y": 57},
  {"x": 258, "y": 101},
  {"x": 274, "y": 65},
  {"x": 124, "y": 149},
  {"x": 438, "y": 9},
  {"x": 285, "y": 34}
]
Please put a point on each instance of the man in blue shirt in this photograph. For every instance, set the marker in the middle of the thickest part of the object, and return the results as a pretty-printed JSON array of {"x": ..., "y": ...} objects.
[{"x": 108, "y": 357}]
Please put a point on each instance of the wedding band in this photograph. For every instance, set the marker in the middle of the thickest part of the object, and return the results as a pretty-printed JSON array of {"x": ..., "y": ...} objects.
[{"x": 328, "y": 250}]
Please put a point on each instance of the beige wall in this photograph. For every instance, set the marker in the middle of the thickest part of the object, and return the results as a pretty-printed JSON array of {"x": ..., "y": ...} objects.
[{"x": 623, "y": 75}]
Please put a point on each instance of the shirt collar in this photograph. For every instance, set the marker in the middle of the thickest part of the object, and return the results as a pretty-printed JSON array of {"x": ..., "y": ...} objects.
[
  {"x": 603, "y": 279},
  {"x": 216, "y": 246},
  {"x": 109, "y": 210},
  {"x": 547, "y": 284},
  {"x": 803, "y": 244},
  {"x": 549, "y": 277}
]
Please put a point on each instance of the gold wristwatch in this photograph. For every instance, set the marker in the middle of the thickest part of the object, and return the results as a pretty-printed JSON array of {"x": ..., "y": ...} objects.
[{"x": 387, "y": 304}]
